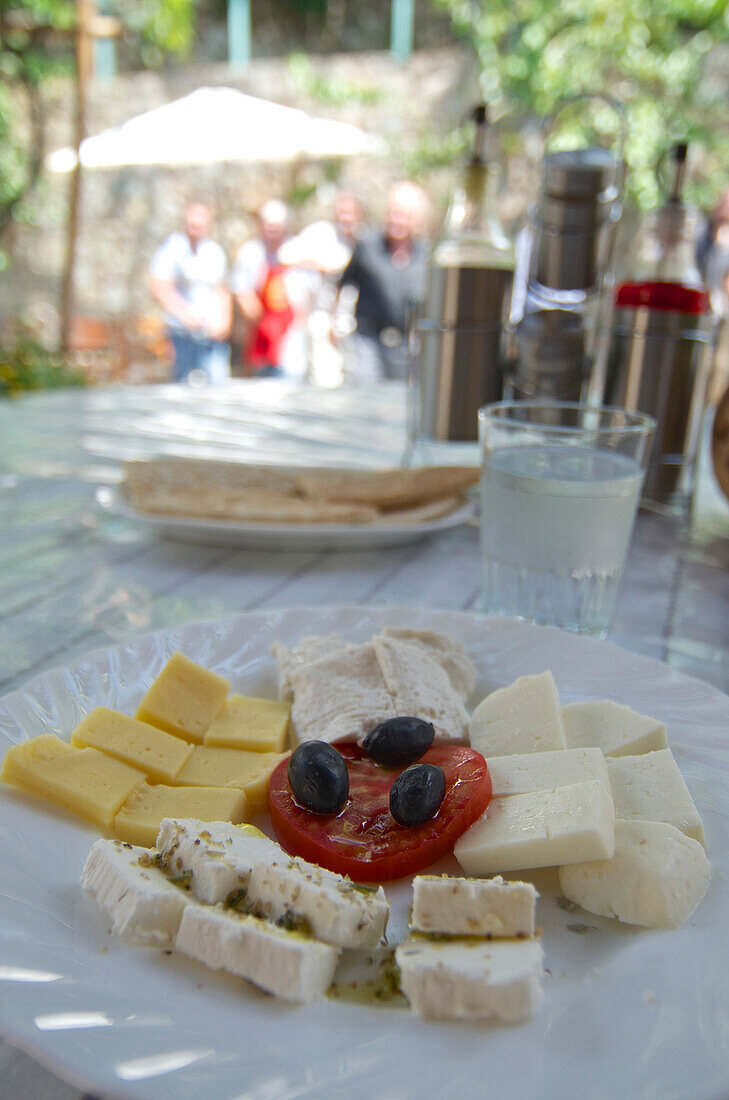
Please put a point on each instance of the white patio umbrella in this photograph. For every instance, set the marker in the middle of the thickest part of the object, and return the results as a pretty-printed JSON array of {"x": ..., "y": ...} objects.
[{"x": 211, "y": 125}]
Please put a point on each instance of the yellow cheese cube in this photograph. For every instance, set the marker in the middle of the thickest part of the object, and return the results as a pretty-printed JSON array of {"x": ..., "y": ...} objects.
[
  {"x": 258, "y": 725},
  {"x": 159, "y": 755},
  {"x": 250, "y": 771},
  {"x": 139, "y": 819},
  {"x": 184, "y": 699},
  {"x": 85, "y": 781}
]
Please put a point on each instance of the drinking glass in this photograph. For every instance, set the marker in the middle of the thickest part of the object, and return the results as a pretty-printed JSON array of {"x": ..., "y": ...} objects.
[{"x": 560, "y": 484}]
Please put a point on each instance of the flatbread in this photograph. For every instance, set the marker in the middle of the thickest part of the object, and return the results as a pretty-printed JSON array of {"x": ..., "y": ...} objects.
[
  {"x": 388, "y": 489},
  {"x": 246, "y": 492}
]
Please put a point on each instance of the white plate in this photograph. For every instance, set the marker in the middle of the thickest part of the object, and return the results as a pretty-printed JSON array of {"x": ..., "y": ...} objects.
[
  {"x": 286, "y": 536},
  {"x": 627, "y": 1013}
]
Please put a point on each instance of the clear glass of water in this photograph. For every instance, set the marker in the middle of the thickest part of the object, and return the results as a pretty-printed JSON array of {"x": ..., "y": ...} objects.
[{"x": 560, "y": 484}]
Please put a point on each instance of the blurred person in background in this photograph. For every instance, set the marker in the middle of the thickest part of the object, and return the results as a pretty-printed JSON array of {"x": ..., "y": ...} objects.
[
  {"x": 273, "y": 297},
  {"x": 188, "y": 278},
  {"x": 388, "y": 270},
  {"x": 324, "y": 249}
]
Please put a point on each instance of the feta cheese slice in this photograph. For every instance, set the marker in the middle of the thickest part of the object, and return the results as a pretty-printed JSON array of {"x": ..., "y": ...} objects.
[
  {"x": 287, "y": 964},
  {"x": 474, "y": 978},
  {"x": 137, "y": 896},
  {"x": 524, "y": 717},
  {"x": 335, "y": 910},
  {"x": 650, "y": 787},
  {"x": 571, "y": 824},
  {"x": 221, "y": 856},
  {"x": 473, "y": 907},
  {"x": 656, "y": 878},
  {"x": 523, "y": 772},
  {"x": 616, "y": 729}
]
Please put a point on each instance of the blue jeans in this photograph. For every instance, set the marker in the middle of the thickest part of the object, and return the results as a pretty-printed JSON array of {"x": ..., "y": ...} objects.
[{"x": 199, "y": 353}]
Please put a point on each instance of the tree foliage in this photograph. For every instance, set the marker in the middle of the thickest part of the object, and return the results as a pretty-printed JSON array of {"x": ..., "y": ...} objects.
[
  {"x": 664, "y": 60},
  {"x": 37, "y": 42}
]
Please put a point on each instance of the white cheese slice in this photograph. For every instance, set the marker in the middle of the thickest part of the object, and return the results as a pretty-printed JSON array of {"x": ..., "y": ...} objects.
[
  {"x": 138, "y": 898},
  {"x": 571, "y": 824},
  {"x": 650, "y": 787},
  {"x": 523, "y": 772},
  {"x": 656, "y": 878},
  {"x": 473, "y": 907},
  {"x": 616, "y": 729},
  {"x": 335, "y": 910},
  {"x": 474, "y": 978},
  {"x": 524, "y": 717},
  {"x": 286, "y": 964},
  {"x": 221, "y": 856}
]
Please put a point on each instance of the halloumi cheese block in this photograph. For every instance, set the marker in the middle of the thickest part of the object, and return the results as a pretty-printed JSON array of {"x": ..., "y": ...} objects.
[
  {"x": 87, "y": 782},
  {"x": 255, "y": 725},
  {"x": 220, "y": 856},
  {"x": 139, "y": 819},
  {"x": 212, "y": 767},
  {"x": 340, "y": 695},
  {"x": 333, "y": 908},
  {"x": 523, "y": 772},
  {"x": 616, "y": 729},
  {"x": 571, "y": 824},
  {"x": 656, "y": 878},
  {"x": 287, "y": 964},
  {"x": 158, "y": 754},
  {"x": 134, "y": 893},
  {"x": 473, "y": 907},
  {"x": 419, "y": 686},
  {"x": 473, "y": 978},
  {"x": 650, "y": 787},
  {"x": 524, "y": 717},
  {"x": 184, "y": 699}
]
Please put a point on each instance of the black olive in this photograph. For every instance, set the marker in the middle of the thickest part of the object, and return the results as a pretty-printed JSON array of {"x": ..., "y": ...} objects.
[
  {"x": 399, "y": 741},
  {"x": 318, "y": 777},
  {"x": 416, "y": 794}
]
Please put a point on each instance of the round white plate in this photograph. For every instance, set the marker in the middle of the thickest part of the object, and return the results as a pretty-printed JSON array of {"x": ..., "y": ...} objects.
[
  {"x": 285, "y": 536},
  {"x": 627, "y": 1013}
]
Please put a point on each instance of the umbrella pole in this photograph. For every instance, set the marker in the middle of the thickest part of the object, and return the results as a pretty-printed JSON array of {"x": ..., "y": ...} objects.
[{"x": 84, "y": 64}]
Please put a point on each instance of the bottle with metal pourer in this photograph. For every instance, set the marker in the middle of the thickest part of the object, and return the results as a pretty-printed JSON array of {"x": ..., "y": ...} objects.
[
  {"x": 564, "y": 257},
  {"x": 457, "y": 364}
]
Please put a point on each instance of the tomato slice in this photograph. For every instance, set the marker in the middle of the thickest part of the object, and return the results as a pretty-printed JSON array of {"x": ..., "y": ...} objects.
[{"x": 364, "y": 841}]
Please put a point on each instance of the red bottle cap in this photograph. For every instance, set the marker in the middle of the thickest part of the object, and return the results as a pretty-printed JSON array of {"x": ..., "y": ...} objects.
[{"x": 665, "y": 296}]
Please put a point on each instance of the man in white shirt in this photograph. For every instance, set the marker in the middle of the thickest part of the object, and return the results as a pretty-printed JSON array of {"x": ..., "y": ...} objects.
[{"x": 188, "y": 274}]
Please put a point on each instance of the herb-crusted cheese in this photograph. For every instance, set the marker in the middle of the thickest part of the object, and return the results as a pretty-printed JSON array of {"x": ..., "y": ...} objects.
[
  {"x": 473, "y": 978},
  {"x": 139, "y": 899},
  {"x": 336, "y": 910},
  {"x": 473, "y": 907},
  {"x": 286, "y": 964}
]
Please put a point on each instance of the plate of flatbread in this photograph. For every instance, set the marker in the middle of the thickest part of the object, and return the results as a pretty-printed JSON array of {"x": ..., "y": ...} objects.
[{"x": 277, "y": 507}]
